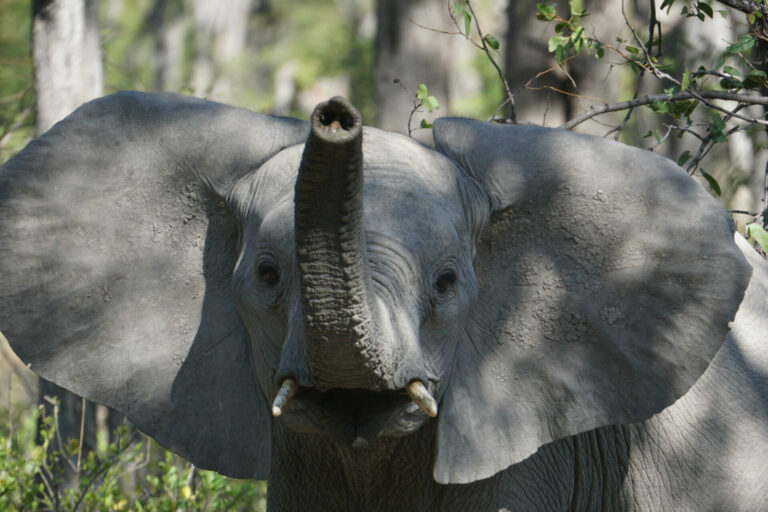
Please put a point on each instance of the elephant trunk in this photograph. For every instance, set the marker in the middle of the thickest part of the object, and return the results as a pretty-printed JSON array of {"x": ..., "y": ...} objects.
[{"x": 342, "y": 346}]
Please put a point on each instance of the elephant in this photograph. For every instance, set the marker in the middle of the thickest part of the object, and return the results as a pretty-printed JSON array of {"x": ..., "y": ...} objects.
[{"x": 516, "y": 318}]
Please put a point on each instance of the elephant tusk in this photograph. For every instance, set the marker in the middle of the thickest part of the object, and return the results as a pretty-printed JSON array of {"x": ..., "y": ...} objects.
[
  {"x": 422, "y": 398},
  {"x": 287, "y": 390}
]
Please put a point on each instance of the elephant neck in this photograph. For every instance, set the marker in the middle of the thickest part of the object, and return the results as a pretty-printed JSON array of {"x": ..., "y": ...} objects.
[{"x": 314, "y": 472}]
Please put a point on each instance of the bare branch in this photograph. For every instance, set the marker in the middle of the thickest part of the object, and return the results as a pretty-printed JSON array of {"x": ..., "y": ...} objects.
[
  {"x": 6, "y": 135},
  {"x": 745, "y": 6},
  {"x": 435, "y": 30},
  {"x": 484, "y": 46},
  {"x": 746, "y": 99}
]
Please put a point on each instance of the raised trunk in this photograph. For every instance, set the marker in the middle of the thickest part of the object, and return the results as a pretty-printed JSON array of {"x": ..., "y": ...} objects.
[{"x": 342, "y": 345}]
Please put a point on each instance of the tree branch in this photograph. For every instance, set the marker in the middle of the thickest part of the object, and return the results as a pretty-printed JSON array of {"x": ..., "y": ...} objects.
[
  {"x": 745, "y": 6},
  {"x": 680, "y": 96}
]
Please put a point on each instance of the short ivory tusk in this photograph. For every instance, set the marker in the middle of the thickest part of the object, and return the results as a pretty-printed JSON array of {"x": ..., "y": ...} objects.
[
  {"x": 287, "y": 390},
  {"x": 422, "y": 398}
]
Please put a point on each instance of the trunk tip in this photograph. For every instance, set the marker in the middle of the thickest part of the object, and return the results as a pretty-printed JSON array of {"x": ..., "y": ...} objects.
[{"x": 336, "y": 118}]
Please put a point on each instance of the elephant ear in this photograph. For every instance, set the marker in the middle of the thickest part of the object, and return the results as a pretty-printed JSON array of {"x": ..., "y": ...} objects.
[
  {"x": 607, "y": 278},
  {"x": 115, "y": 268}
]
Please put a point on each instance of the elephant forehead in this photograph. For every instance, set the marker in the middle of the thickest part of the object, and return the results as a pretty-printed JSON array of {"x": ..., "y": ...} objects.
[
  {"x": 403, "y": 180},
  {"x": 397, "y": 215},
  {"x": 412, "y": 216},
  {"x": 406, "y": 165}
]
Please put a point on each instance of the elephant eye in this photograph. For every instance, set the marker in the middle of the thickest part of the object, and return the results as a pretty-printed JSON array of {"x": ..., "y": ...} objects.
[
  {"x": 268, "y": 274},
  {"x": 445, "y": 281}
]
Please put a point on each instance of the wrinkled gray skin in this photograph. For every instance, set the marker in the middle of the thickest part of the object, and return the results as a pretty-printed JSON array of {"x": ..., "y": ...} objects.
[{"x": 556, "y": 294}]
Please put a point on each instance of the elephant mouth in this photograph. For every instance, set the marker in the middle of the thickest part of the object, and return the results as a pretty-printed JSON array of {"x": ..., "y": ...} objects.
[{"x": 354, "y": 417}]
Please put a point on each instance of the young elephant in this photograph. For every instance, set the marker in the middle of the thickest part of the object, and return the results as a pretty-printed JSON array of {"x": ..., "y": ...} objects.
[{"x": 375, "y": 325}]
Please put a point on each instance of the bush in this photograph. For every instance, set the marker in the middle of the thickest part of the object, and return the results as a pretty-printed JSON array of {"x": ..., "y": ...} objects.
[{"x": 129, "y": 474}]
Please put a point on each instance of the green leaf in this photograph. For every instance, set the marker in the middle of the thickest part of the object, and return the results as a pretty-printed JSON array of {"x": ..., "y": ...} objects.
[
  {"x": 713, "y": 185},
  {"x": 545, "y": 12},
  {"x": 425, "y": 124},
  {"x": 716, "y": 127},
  {"x": 562, "y": 27},
  {"x": 660, "y": 107},
  {"x": 633, "y": 50},
  {"x": 561, "y": 53},
  {"x": 684, "y": 157},
  {"x": 578, "y": 39},
  {"x": 705, "y": 8},
  {"x": 600, "y": 52},
  {"x": 732, "y": 71},
  {"x": 718, "y": 64},
  {"x": 745, "y": 42},
  {"x": 755, "y": 78},
  {"x": 686, "y": 80},
  {"x": 491, "y": 41},
  {"x": 758, "y": 234},
  {"x": 422, "y": 92},
  {"x": 556, "y": 42},
  {"x": 683, "y": 108},
  {"x": 730, "y": 83},
  {"x": 467, "y": 23},
  {"x": 430, "y": 103}
]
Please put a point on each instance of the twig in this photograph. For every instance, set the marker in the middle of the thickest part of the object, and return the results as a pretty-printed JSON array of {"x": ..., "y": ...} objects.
[
  {"x": 624, "y": 121},
  {"x": 743, "y": 212},
  {"x": 540, "y": 74},
  {"x": 97, "y": 475},
  {"x": 436, "y": 30},
  {"x": 15, "y": 125},
  {"x": 416, "y": 104},
  {"x": 484, "y": 47},
  {"x": 707, "y": 143},
  {"x": 685, "y": 129},
  {"x": 572, "y": 94},
  {"x": 746, "y": 99},
  {"x": 190, "y": 481},
  {"x": 765, "y": 197},
  {"x": 10, "y": 412},
  {"x": 82, "y": 431},
  {"x": 662, "y": 139},
  {"x": 654, "y": 23}
]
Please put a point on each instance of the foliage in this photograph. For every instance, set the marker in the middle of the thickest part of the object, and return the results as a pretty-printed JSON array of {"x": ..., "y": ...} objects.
[
  {"x": 738, "y": 74},
  {"x": 757, "y": 233},
  {"x": 16, "y": 84},
  {"x": 32, "y": 475}
]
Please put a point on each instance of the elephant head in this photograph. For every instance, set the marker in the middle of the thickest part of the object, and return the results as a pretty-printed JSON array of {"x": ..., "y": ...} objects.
[{"x": 190, "y": 263}]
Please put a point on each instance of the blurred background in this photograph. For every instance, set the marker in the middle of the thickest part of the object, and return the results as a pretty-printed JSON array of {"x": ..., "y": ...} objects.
[{"x": 284, "y": 56}]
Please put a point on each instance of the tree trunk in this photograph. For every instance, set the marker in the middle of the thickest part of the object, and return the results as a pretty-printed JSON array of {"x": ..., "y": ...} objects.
[
  {"x": 68, "y": 72},
  {"x": 166, "y": 22},
  {"x": 220, "y": 39},
  {"x": 413, "y": 55},
  {"x": 67, "y": 57}
]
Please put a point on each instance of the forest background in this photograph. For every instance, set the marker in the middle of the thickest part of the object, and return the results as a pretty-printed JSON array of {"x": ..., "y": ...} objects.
[{"x": 684, "y": 78}]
